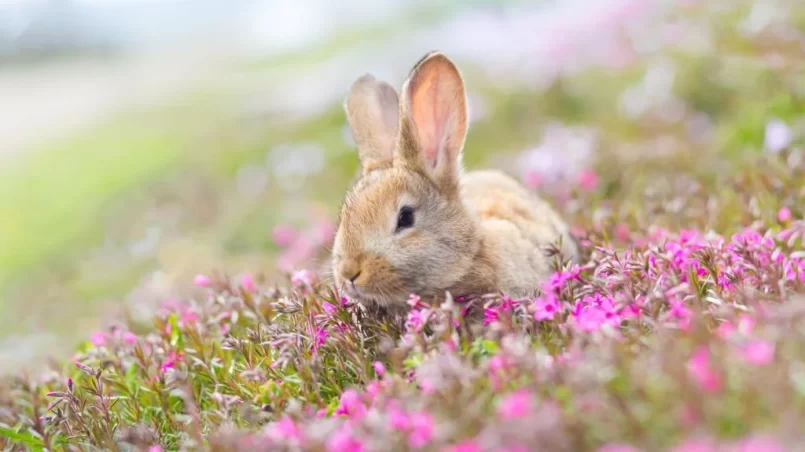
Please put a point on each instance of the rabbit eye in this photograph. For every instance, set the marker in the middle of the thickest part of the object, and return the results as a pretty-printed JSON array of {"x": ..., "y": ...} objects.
[{"x": 406, "y": 218}]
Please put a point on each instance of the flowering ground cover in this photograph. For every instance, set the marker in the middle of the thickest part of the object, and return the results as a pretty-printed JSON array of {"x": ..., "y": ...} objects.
[{"x": 681, "y": 328}]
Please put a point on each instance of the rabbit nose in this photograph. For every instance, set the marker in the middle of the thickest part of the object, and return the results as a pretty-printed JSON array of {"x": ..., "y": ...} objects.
[{"x": 350, "y": 271}]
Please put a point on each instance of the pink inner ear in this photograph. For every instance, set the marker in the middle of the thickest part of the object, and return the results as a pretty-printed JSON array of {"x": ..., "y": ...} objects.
[{"x": 430, "y": 110}]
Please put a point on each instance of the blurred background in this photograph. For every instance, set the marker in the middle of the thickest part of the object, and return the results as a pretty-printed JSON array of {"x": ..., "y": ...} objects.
[{"x": 143, "y": 142}]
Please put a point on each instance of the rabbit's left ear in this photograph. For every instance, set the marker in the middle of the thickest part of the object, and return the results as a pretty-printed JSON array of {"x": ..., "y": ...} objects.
[
  {"x": 433, "y": 120},
  {"x": 372, "y": 111}
]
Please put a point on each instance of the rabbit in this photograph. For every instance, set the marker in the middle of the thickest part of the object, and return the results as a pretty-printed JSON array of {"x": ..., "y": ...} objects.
[{"x": 413, "y": 221}]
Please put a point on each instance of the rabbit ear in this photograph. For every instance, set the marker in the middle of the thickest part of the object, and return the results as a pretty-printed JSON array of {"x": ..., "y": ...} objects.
[
  {"x": 372, "y": 109},
  {"x": 433, "y": 122}
]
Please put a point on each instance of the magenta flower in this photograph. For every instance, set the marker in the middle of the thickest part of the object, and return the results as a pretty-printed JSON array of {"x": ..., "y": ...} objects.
[
  {"x": 285, "y": 429},
  {"x": 618, "y": 448},
  {"x": 98, "y": 338},
  {"x": 466, "y": 446},
  {"x": 171, "y": 362},
  {"x": 247, "y": 282},
  {"x": 759, "y": 444},
  {"x": 379, "y": 368},
  {"x": 351, "y": 405},
  {"x": 283, "y": 235},
  {"x": 588, "y": 179},
  {"x": 329, "y": 308},
  {"x": 491, "y": 315},
  {"x": 398, "y": 420},
  {"x": 515, "y": 405},
  {"x": 695, "y": 445},
  {"x": 202, "y": 280},
  {"x": 343, "y": 441},
  {"x": 129, "y": 337},
  {"x": 784, "y": 215},
  {"x": 417, "y": 319},
  {"x": 758, "y": 352},
  {"x": 702, "y": 373},
  {"x": 303, "y": 279},
  {"x": 546, "y": 307},
  {"x": 154, "y": 449},
  {"x": 321, "y": 335},
  {"x": 414, "y": 301},
  {"x": 421, "y": 430}
]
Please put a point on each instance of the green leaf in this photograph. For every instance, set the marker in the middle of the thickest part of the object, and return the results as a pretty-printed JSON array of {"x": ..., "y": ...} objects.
[{"x": 22, "y": 437}]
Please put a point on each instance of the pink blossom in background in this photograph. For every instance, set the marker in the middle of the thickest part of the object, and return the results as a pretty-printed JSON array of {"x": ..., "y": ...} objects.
[
  {"x": 379, "y": 368},
  {"x": 154, "y": 449},
  {"x": 201, "y": 280},
  {"x": 398, "y": 419},
  {"x": 129, "y": 337},
  {"x": 303, "y": 278},
  {"x": 618, "y": 448},
  {"x": 515, "y": 405},
  {"x": 98, "y": 338},
  {"x": 247, "y": 282},
  {"x": 325, "y": 230},
  {"x": 759, "y": 444},
  {"x": 758, "y": 352},
  {"x": 588, "y": 179},
  {"x": 421, "y": 430},
  {"x": 283, "y": 235},
  {"x": 784, "y": 215},
  {"x": 702, "y": 373},
  {"x": 532, "y": 179},
  {"x": 695, "y": 445},
  {"x": 351, "y": 405},
  {"x": 284, "y": 429},
  {"x": 344, "y": 441},
  {"x": 778, "y": 136},
  {"x": 466, "y": 446}
]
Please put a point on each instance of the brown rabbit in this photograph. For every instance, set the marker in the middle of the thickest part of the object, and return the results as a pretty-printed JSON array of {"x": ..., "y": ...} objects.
[{"x": 414, "y": 222}]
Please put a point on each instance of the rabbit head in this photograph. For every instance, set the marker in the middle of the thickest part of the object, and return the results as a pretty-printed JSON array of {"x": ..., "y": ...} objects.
[{"x": 403, "y": 227}]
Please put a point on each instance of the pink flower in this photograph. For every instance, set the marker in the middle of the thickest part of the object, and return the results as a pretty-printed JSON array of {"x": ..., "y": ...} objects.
[
  {"x": 622, "y": 232},
  {"x": 421, "y": 430},
  {"x": 546, "y": 307},
  {"x": 414, "y": 301},
  {"x": 417, "y": 319},
  {"x": 759, "y": 444},
  {"x": 379, "y": 368},
  {"x": 515, "y": 405},
  {"x": 154, "y": 449},
  {"x": 351, "y": 405},
  {"x": 398, "y": 419},
  {"x": 532, "y": 179},
  {"x": 284, "y": 430},
  {"x": 343, "y": 441},
  {"x": 321, "y": 337},
  {"x": 98, "y": 338},
  {"x": 329, "y": 308},
  {"x": 702, "y": 373},
  {"x": 247, "y": 281},
  {"x": 303, "y": 278},
  {"x": 201, "y": 280},
  {"x": 695, "y": 445},
  {"x": 784, "y": 215},
  {"x": 129, "y": 337},
  {"x": 758, "y": 352},
  {"x": 466, "y": 446},
  {"x": 617, "y": 448},
  {"x": 588, "y": 179},
  {"x": 283, "y": 235},
  {"x": 170, "y": 363}
]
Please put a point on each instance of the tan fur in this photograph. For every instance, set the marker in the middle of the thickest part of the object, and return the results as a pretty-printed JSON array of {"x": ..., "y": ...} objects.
[{"x": 473, "y": 233}]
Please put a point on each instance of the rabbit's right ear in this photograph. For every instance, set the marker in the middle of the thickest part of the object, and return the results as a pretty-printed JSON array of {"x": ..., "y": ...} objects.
[{"x": 372, "y": 108}]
